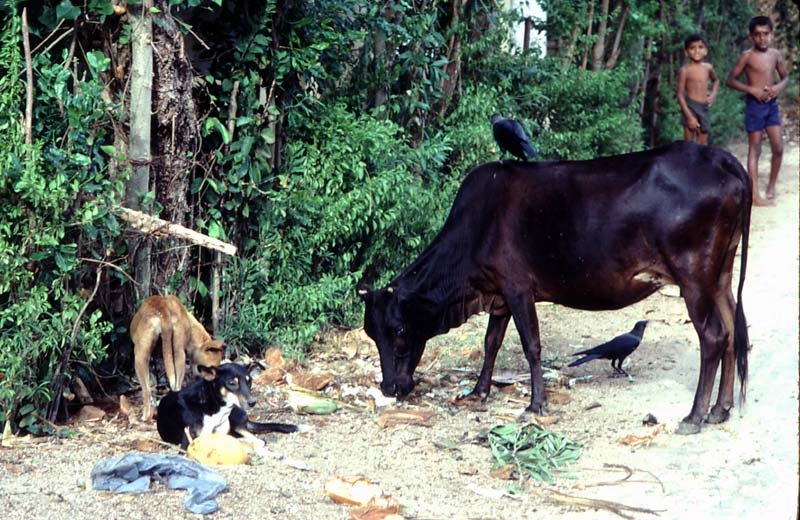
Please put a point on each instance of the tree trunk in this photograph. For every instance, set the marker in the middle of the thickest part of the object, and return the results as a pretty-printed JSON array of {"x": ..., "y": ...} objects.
[
  {"x": 139, "y": 140},
  {"x": 453, "y": 69},
  {"x": 588, "y": 35},
  {"x": 600, "y": 45},
  {"x": 615, "y": 50},
  {"x": 698, "y": 15},
  {"x": 569, "y": 54},
  {"x": 177, "y": 142}
]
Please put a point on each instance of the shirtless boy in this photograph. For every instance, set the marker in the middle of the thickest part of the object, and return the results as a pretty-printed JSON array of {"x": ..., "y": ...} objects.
[
  {"x": 759, "y": 65},
  {"x": 693, "y": 95}
]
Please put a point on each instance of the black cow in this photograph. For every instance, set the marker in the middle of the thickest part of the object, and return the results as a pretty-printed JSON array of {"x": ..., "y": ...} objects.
[{"x": 597, "y": 235}]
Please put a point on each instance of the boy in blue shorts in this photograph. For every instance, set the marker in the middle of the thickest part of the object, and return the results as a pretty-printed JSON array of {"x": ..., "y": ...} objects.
[{"x": 759, "y": 65}]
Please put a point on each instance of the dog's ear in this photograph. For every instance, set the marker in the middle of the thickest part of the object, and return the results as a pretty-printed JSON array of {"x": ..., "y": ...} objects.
[{"x": 208, "y": 373}]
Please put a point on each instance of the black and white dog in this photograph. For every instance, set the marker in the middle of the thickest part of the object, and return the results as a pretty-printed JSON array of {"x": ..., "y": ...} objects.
[{"x": 214, "y": 404}]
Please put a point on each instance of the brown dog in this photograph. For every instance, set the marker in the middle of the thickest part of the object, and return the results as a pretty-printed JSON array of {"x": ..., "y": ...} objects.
[{"x": 180, "y": 334}]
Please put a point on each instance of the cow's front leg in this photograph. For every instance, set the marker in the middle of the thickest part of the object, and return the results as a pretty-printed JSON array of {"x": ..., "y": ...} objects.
[
  {"x": 495, "y": 332},
  {"x": 524, "y": 311}
]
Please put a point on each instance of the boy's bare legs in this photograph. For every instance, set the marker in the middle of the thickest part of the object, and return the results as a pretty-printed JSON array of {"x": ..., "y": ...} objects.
[
  {"x": 753, "y": 154},
  {"x": 688, "y": 134},
  {"x": 776, "y": 145},
  {"x": 702, "y": 137}
]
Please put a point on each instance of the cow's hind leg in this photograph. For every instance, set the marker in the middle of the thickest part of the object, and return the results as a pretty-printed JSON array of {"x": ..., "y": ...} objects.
[
  {"x": 711, "y": 331},
  {"x": 720, "y": 412},
  {"x": 495, "y": 332}
]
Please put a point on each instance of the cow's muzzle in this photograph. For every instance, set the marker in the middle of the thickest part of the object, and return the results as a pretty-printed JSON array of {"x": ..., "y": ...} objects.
[{"x": 399, "y": 388}]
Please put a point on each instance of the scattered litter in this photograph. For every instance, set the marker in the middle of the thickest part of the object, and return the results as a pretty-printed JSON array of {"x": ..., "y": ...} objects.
[
  {"x": 380, "y": 399},
  {"x": 394, "y": 417},
  {"x": 580, "y": 379},
  {"x": 352, "y": 491},
  {"x": 132, "y": 473},
  {"x": 641, "y": 440},
  {"x": 490, "y": 492},
  {"x": 593, "y": 406},
  {"x": 504, "y": 377},
  {"x": 304, "y": 401}
]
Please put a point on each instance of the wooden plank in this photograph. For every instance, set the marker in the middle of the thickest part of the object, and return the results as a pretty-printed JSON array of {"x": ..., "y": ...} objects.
[{"x": 155, "y": 226}]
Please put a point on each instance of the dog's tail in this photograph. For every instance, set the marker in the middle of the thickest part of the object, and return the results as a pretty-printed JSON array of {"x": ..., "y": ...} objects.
[{"x": 259, "y": 427}]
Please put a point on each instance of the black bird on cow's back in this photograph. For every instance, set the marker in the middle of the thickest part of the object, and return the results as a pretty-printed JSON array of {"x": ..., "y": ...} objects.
[
  {"x": 511, "y": 137},
  {"x": 616, "y": 350}
]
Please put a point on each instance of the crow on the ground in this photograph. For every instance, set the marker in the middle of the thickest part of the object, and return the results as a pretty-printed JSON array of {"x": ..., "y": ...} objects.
[
  {"x": 616, "y": 350},
  {"x": 511, "y": 138}
]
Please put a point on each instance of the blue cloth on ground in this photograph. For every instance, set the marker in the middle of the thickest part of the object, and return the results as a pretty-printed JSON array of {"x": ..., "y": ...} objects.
[{"x": 132, "y": 473}]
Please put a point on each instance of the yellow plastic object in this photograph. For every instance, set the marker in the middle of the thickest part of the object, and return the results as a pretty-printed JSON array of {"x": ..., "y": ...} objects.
[{"x": 218, "y": 449}]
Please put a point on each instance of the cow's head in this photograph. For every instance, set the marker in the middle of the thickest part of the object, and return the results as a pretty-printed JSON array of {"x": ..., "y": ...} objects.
[{"x": 389, "y": 321}]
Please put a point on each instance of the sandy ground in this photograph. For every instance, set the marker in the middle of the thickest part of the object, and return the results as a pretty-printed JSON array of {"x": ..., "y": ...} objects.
[{"x": 745, "y": 468}]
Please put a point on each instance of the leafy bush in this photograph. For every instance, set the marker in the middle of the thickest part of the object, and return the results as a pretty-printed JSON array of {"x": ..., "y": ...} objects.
[
  {"x": 348, "y": 202},
  {"x": 588, "y": 114},
  {"x": 55, "y": 196}
]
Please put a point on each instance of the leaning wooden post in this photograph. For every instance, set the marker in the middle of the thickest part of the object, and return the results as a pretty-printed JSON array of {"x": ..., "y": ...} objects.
[{"x": 216, "y": 273}]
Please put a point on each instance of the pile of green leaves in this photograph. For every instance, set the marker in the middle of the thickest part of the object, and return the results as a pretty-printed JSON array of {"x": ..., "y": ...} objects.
[{"x": 532, "y": 450}]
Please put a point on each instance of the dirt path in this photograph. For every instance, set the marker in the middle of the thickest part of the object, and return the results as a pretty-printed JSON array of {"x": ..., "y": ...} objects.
[{"x": 746, "y": 468}]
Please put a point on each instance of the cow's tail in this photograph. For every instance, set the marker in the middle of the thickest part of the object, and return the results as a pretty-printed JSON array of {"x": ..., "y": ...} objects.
[{"x": 741, "y": 341}]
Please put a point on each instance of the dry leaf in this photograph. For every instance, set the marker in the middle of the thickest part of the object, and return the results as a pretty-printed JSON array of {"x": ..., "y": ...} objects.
[
  {"x": 356, "y": 491},
  {"x": 504, "y": 473},
  {"x": 273, "y": 376},
  {"x": 90, "y": 413},
  {"x": 377, "y": 509},
  {"x": 310, "y": 381},
  {"x": 545, "y": 420},
  {"x": 394, "y": 417},
  {"x": 127, "y": 409},
  {"x": 556, "y": 397},
  {"x": 274, "y": 358},
  {"x": 643, "y": 440},
  {"x": 147, "y": 445}
]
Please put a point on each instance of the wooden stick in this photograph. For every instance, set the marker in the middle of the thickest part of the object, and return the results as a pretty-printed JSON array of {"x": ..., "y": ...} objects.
[
  {"x": 26, "y": 44},
  {"x": 151, "y": 225}
]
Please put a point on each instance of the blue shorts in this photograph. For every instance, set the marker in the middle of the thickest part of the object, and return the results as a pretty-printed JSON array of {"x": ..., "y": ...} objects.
[{"x": 758, "y": 115}]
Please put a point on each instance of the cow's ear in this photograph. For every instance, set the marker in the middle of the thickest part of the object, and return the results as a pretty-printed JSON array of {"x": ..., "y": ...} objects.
[{"x": 364, "y": 291}]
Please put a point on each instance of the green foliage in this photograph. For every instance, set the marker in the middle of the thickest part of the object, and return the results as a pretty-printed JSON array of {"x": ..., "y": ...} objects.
[
  {"x": 55, "y": 195},
  {"x": 588, "y": 114},
  {"x": 348, "y": 201}
]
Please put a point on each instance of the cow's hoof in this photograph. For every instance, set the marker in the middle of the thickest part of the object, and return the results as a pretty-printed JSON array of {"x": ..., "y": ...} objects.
[
  {"x": 473, "y": 397},
  {"x": 537, "y": 409},
  {"x": 687, "y": 428},
  {"x": 718, "y": 415}
]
